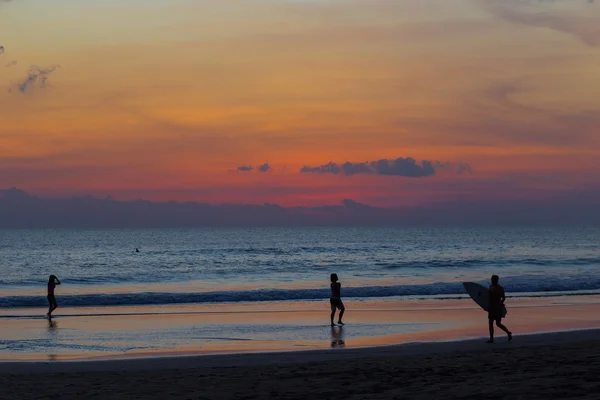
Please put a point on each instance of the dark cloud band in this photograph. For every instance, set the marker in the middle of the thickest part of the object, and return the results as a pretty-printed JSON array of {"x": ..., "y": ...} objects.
[
  {"x": 406, "y": 167},
  {"x": 249, "y": 168}
]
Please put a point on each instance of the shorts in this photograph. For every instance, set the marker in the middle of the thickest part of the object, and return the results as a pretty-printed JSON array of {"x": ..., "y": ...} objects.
[
  {"x": 495, "y": 313},
  {"x": 336, "y": 303},
  {"x": 52, "y": 299}
]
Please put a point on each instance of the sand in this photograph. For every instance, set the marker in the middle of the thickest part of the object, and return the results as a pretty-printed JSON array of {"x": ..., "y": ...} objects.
[
  {"x": 145, "y": 331},
  {"x": 558, "y": 365}
]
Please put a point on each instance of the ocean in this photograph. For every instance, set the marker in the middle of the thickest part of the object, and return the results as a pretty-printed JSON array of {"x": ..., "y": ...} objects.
[{"x": 189, "y": 266}]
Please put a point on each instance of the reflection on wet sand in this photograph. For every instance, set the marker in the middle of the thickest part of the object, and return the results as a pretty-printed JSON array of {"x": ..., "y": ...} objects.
[
  {"x": 52, "y": 330},
  {"x": 52, "y": 325},
  {"x": 94, "y": 333},
  {"x": 337, "y": 337}
]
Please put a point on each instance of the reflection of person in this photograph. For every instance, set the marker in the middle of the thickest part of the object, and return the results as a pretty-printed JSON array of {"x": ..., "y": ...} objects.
[
  {"x": 336, "y": 299},
  {"x": 52, "y": 282},
  {"x": 337, "y": 337},
  {"x": 496, "y": 308},
  {"x": 51, "y": 325}
]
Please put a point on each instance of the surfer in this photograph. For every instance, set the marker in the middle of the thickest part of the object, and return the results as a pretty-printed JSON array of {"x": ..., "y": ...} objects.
[
  {"x": 52, "y": 282},
  {"x": 336, "y": 299},
  {"x": 496, "y": 308}
]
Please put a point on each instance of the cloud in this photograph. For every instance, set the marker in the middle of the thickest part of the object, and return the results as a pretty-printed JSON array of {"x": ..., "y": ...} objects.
[
  {"x": 264, "y": 168},
  {"x": 582, "y": 24},
  {"x": 249, "y": 168},
  {"x": 502, "y": 108},
  {"x": 458, "y": 168},
  {"x": 349, "y": 203},
  {"x": 331, "y": 168},
  {"x": 19, "y": 209},
  {"x": 10, "y": 64},
  {"x": 406, "y": 167},
  {"x": 37, "y": 77}
]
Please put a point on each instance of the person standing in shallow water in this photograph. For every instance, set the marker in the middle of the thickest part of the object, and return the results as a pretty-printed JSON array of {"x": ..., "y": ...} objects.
[
  {"x": 496, "y": 308},
  {"x": 52, "y": 282},
  {"x": 336, "y": 299}
]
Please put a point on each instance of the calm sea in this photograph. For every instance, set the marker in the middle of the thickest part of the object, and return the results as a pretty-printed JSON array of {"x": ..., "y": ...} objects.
[{"x": 101, "y": 267}]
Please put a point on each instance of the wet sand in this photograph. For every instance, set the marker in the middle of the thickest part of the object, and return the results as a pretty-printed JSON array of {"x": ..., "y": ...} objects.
[
  {"x": 558, "y": 365},
  {"x": 130, "y": 332}
]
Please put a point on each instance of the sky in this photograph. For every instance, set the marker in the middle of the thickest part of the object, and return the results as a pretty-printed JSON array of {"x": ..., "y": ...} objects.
[{"x": 399, "y": 103}]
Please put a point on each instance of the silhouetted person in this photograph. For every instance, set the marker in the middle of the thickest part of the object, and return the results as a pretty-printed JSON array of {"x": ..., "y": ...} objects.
[
  {"x": 52, "y": 282},
  {"x": 336, "y": 299},
  {"x": 137, "y": 250},
  {"x": 496, "y": 308}
]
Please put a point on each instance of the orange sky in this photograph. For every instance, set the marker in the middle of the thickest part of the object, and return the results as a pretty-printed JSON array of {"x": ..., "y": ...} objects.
[{"x": 162, "y": 99}]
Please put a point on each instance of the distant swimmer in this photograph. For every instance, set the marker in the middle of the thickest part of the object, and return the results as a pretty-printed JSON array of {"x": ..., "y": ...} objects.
[
  {"x": 336, "y": 299},
  {"x": 496, "y": 308},
  {"x": 52, "y": 282},
  {"x": 137, "y": 250}
]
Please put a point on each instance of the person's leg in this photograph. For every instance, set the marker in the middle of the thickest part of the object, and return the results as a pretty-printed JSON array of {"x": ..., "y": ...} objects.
[
  {"x": 499, "y": 325},
  {"x": 332, "y": 314},
  {"x": 53, "y": 304},
  {"x": 49, "y": 306},
  {"x": 491, "y": 325},
  {"x": 341, "y": 315}
]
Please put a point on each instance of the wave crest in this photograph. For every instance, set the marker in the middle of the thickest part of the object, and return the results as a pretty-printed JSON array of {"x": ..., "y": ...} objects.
[{"x": 518, "y": 285}]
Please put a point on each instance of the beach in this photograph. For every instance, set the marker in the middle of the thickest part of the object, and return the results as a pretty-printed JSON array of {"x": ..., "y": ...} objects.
[
  {"x": 557, "y": 365},
  {"x": 426, "y": 349}
]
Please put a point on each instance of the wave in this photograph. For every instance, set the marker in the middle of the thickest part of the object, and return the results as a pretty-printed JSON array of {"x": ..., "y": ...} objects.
[
  {"x": 122, "y": 273},
  {"x": 482, "y": 262},
  {"x": 533, "y": 285}
]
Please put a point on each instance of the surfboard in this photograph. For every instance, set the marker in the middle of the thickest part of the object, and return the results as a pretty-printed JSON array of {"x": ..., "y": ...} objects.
[{"x": 479, "y": 294}]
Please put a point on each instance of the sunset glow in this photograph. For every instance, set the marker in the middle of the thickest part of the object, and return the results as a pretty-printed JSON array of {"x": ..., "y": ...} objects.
[{"x": 166, "y": 99}]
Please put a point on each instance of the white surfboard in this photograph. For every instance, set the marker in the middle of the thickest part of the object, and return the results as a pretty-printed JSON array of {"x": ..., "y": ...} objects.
[{"x": 479, "y": 294}]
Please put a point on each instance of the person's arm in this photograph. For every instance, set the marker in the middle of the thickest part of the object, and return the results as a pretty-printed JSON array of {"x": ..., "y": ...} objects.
[
  {"x": 57, "y": 281},
  {"x": 502, "y": 297}
]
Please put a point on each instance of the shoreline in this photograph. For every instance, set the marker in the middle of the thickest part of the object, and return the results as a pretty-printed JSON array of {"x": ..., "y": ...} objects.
[
  {"x": 134, "y": 333},
  {"x": 263, "y": 358}
]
